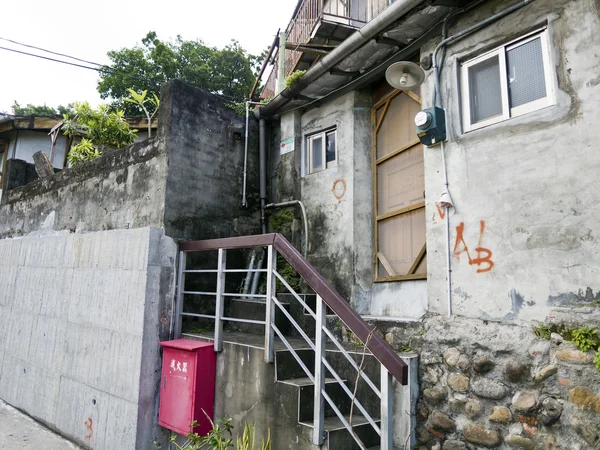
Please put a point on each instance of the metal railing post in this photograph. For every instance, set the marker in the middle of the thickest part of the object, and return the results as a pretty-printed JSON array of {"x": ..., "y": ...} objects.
[
  {"x": 179, "y": 299},
  {"x": 387, "y": 409},
  {"x": 319, "y": 403},
  {"x": 220, "y": 306},
  {"x": 270, "y": 307}
]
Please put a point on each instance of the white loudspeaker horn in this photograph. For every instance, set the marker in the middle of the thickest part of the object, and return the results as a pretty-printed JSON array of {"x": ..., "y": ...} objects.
[{"x": 405, "y": 75}]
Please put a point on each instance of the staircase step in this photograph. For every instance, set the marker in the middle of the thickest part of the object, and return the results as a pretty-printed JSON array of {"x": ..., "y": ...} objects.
[
  {"x": 378, "y": 447},
  {"x": 335, "y": 424},
  {"x": 305, "y": 381},
  {"x": 243, "y": 308},
  {"x": 339, "y": 438}
]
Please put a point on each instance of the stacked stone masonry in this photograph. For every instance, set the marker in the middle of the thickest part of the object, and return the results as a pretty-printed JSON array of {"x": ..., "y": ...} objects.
[{"x": 496, "y": 385}]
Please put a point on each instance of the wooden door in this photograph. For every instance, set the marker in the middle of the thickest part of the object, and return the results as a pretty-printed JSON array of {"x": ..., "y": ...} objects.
[{"x": 398, "y": 190}]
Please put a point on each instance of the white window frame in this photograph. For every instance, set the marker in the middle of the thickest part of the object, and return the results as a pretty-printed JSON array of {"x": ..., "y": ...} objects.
[
  {"x": 507, "y": 111},
  {"x": 309, "y": 153}
]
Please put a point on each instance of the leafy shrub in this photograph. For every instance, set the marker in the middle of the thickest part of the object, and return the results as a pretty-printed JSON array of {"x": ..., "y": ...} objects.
[
  {"x": 294, "y": 76},
  {"x": 99, "y": 129},
  {"x": 585, "y": 338}
]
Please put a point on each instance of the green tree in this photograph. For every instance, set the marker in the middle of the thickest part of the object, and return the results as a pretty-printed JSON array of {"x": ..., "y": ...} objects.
[
  {"x": 99, "y": 129},
  {"x": 40, "y": 110},
  {"x": 30, "y": 110},
  {"x": 229, "y": 71}
]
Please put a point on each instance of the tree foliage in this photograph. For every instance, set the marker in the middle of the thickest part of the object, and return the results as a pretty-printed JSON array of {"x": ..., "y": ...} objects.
[
  {"x": 99, "y": 129},
  {"x": 229, "y": 71},
  {"x": 40, "y": 110}
]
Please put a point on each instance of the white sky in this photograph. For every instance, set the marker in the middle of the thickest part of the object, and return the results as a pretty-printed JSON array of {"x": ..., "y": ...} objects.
[{"x": 88, "y": 30}]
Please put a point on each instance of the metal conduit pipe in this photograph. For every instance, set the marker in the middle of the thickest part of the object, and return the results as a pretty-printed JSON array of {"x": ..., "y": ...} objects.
[
  {"x": 262, "y": 166},
  {"x": 437, "y": 98},
  {"x": 304, "y": 218},
  {"x": 355, "y": 41}
]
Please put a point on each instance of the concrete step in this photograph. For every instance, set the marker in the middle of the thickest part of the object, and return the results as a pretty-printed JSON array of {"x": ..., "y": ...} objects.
[
  {"x": 306, "y": 392},
  {"x": 339, "y": 438},
  {"x": 251, "y": 309}
]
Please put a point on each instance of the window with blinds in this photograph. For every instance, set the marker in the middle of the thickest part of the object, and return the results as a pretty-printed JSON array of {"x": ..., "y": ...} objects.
[{"x": 510, "y": 81}]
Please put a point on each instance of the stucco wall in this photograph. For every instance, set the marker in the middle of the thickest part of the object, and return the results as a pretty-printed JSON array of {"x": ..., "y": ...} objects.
[
  {"x": 81, "y": 317},
  {"x": 205, "y": 148},
  {"x": 529, "y": 181},
  {"x": 339, "y": 203}
]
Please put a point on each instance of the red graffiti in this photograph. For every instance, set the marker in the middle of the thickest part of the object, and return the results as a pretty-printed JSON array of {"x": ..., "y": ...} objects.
[
  {"x": 89, "y": 424},
  {"x": 441, "y": 211},
  {"x": 484, "y": 255}
]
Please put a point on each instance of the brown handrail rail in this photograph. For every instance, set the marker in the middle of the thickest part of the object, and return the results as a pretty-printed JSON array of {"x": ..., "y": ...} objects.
[{"x": 378, "y": 347}]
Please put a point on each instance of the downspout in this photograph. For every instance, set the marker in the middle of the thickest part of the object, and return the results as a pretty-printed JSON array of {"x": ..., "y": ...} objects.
[
  {"x": 354, "y": 42},
  {"x": 437, "y": 98},
  {"x": 262, "y": 158}
]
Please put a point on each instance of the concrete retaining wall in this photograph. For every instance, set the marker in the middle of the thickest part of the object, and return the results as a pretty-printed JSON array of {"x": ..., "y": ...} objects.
[{"x": 81, "y": 317}]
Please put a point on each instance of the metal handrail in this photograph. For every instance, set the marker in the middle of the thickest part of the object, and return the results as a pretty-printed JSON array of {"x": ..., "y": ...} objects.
[
  {"x": 355, "y": 323},
  {"x": 391, "y": 363}
]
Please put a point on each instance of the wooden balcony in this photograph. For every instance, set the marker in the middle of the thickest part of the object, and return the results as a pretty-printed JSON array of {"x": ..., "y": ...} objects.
[{"x": 322, "y": 22}]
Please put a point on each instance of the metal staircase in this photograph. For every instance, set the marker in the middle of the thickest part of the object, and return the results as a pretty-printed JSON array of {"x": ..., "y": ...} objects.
[{"x": 345, "y": 393}]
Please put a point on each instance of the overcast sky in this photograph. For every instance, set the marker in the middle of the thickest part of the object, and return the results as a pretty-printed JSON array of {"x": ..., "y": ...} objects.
[{"x": 88, "y": 30}]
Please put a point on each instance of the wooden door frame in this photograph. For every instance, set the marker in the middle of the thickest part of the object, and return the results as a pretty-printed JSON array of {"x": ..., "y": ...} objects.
[{"x": 375, "y": 126}]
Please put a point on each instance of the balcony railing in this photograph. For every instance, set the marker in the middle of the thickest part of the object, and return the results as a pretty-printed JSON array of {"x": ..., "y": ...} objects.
[{"x": 308, "y": 16}]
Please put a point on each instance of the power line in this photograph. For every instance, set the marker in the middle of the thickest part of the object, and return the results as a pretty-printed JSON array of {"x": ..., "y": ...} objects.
[
  {"x": 52, "y": 59},
  {"x": 102, "y": 69},
  {"x": 50, "y": 51}
]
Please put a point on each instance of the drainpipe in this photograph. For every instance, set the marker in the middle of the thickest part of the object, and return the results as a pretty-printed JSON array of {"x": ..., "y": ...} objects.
[
  {"x": 262, "y": 158},
  {"x": 354, "y": 42},
  {"x": 437, "y": 98},
  {"x": 292, "y": 203}
]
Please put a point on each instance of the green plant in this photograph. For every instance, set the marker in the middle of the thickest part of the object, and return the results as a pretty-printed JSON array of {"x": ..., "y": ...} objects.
[
  {"x": 142, "y": 100},
  {"x": 542, "y": 331},
  {"x": 98, "y": 128},
  {"x": 220, "y": 438},
  {"x": 585, "y": 338},
  {"x": 294, "y": 76},
  {"x": 248, "y": 439}
]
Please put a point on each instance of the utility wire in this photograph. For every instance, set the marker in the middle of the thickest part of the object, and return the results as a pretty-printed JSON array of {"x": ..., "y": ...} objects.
[
  {"x": 52, "y": 59},
  {"x": 50, "y": 51},
  {"x": 102, "y": 69}
]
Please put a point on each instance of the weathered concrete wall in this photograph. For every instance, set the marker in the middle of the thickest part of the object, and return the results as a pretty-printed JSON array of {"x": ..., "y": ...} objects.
[
  {"x": 339, "y": 203},
  {"x": 81, "y": 316},
  {"x": 205, "y": 147},
  {"x": 528, "y": 180},
  {"x": 122, "y": 189}
]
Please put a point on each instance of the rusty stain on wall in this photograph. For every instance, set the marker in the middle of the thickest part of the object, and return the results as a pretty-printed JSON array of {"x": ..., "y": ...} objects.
[{"x": 339, "y": 188}]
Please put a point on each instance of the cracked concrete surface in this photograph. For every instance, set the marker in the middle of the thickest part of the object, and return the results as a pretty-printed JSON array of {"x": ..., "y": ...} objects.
[{"x": 19, "y": 431}]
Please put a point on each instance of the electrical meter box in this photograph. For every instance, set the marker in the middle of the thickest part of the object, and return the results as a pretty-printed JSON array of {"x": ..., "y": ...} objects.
[
  {"x": 431, "y": 126},
  {"x": 187, "y": 386}
]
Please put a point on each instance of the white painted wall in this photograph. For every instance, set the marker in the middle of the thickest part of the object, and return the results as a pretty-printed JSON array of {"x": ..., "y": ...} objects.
[{"x": 24, "y": 143}]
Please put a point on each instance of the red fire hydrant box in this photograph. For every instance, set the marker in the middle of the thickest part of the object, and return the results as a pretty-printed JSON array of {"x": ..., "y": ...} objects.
[{"x": 187, "y": 386}]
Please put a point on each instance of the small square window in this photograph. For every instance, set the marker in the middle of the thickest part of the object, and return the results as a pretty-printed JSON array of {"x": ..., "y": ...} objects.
[
  {"x": 509, "y": 81},
  {"x": 321, "y": 151}
]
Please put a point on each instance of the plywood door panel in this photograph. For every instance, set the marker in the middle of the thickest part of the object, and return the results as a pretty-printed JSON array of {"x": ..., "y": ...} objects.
[{"x": 399, "y": 185}]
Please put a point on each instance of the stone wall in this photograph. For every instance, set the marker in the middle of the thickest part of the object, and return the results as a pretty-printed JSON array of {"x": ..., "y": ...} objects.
[
  {"x": 496, "y": 385},
  {"x": 81, "y": 316}
]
